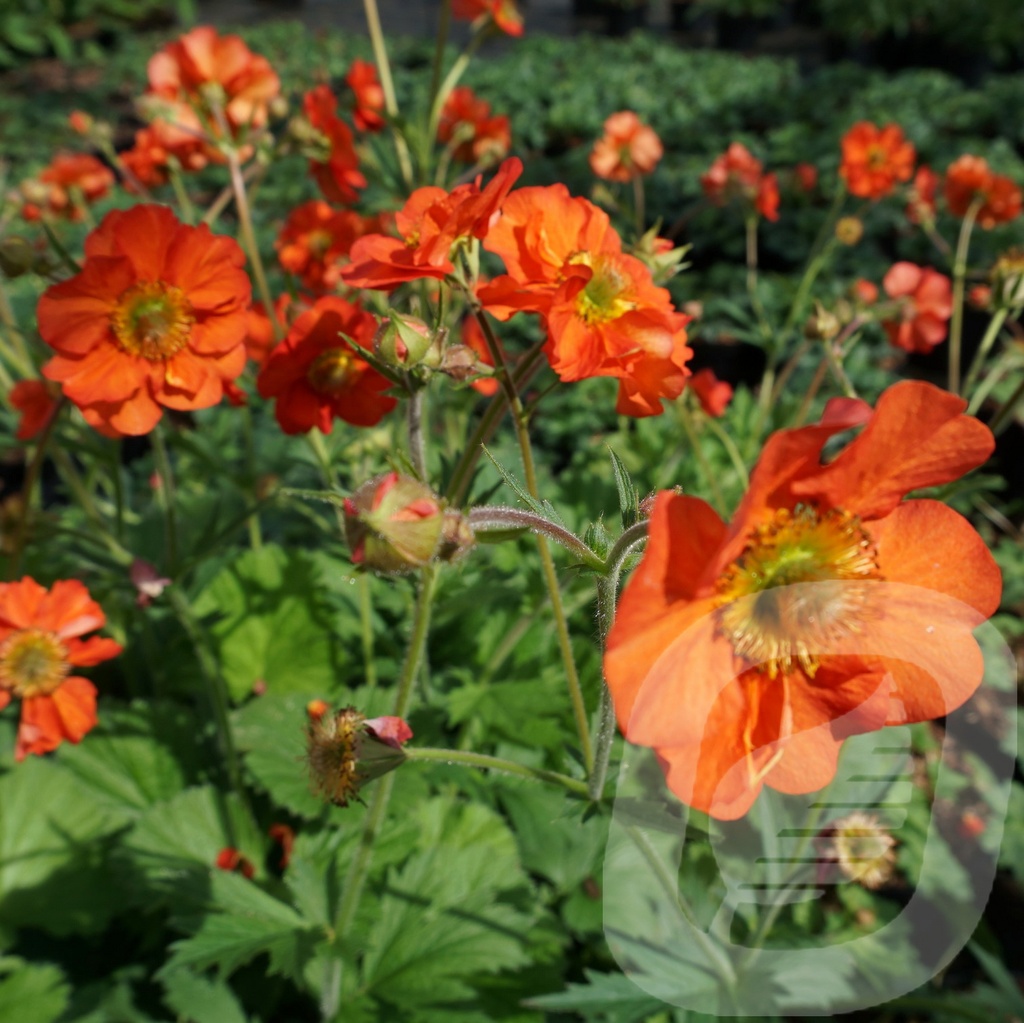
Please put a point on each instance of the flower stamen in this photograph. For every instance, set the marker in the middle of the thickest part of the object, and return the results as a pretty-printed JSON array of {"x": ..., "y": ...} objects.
[
  {"x": 33, "y": 662},
  {"x": 152, "y": 320}
]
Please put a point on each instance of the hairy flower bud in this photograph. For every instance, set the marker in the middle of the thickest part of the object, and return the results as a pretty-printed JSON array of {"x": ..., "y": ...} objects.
[
  {"x": 17, "y": 256},
  {"x": 407, "y": 341},
  {"x": 393, "y": 524},
  {"x": 821, "y": 325},
  {"x": 346, "y": 750}
]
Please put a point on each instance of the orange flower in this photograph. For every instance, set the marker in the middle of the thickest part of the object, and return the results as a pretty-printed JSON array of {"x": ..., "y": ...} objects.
[
  {"x": 430, "y": 224},
  {"x": 921, "y": 198},
  {"x": 925, "y": 309},
  {"x": 744, "y": 654},
  {"x": 603, "y": 313},
  {"x": 369, "y": 96},
  {"x": 875, "y": 159},
  {"x": 713, "y": 394},
  {"x": 317, "y": 376},
  {"x": 504, "y": 13},
  {"x": 467, "y": 119},
  {"x": 473, "y": 338},
  {"x": 186, "y": 75},
  {"x": 337, "y": 170},
  {"x": 316, "y": 240},
  {"x": 736, "y": 174},
  {"x": 40, "y": 642},
  {"x": 969, "y": 179},
  {"x": 60, "y": 189},
  {"x": 147, "y": 161},
  {"x": 36, "y": 400},
  {"x": 628, "y": 148},
  {"x": 154, "y": 320}
]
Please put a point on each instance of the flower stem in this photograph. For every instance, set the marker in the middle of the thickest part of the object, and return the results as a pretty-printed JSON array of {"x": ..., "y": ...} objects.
[
  {"x": 579, "y": 707},
  {"x": 481, "y": 761},
  {"x": 956, "y": 325},
  {"x": 991, "y": 333},
  {"x": 355, "y": 880},
  {"x": 414, "y": 421},
  {"x": 380, "y": 56},
  {"x": 167, "y": 495},
  {"x": 491, "y": 517}
]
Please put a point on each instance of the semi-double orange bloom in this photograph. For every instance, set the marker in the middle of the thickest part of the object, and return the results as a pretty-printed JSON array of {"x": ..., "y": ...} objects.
[
  {"x": 925, "y": 306},
  {"x": 430, "y": 225},
  {"x": 745, "y": 653},
  {"x": 738, "y": 174},
  {"x": 41, "y": 641},
  {"x": 316, "y": 376},
  {"x": 203, "y": 66},
  {"x": 337, "y": 170},
  {"x": 466, "y": 120},
  {"x": 155, "y": 319},
  {"x": 875, "y": 159},
  {"x": 627, "y": 149},
  {"x": 61, "y": 188},
  {"x": 603, "y": 313},
  {"x": 369, "y": 95},
  {"x": 970, "y": 179}
]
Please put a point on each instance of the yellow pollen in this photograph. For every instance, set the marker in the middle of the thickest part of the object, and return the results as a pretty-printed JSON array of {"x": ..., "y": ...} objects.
[
  {"x": 332, "y": 371},
  {"x": 606, "y": 296},
  {"x": 152, "y": 320},
  {"x": 32, "y": 663},
  {"x": 778, "y": 624}
]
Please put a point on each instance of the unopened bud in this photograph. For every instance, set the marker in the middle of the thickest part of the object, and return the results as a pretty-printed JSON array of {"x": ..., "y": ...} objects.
[
  {"x": 821, "y": 325},
  {"x": 849, "y": 230},
  {"x": 79, "y": 121},
  {"x": 393, "y": 524},
  {"x": 407, "y": 341},
  {"x": 17, "y": 256},
  {"x": 864, "y": 291},
  {"x": 460, "y": 362},
  {"x": 345, "y": 751}
]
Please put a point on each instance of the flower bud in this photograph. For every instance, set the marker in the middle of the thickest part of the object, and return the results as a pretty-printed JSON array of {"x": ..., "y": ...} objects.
[
  {"x": 849, "y": 230},
  {"x": 1008, "y": 279},
  {"x": 17, "y": 256},
  {"x": 393, "y": 524},
  {"x": 345, "y": 751},
  {"x": 821, "y": 325},
  {"x": 407, "y": 341}
]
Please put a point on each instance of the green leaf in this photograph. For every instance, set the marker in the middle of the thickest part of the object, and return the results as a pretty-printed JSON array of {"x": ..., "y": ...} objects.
[
  {"x": 270, "y": 623},
  {"x": 56, "y": 870},
  {"x": 607, "y": 996},
  {"x": 271, "y": 733},
  {"x": 542, "y": 508},
  {"x": 629, "y": 496},
  {"x": 248, "y": 923},
  {"x": 449, "y": 912},
  {"x": 200, "y": 999},
  {"x": 32, "y": 993}
]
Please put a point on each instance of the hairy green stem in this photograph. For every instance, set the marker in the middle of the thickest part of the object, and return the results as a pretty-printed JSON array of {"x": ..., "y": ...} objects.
[
  {"x": 492, "y": 517},
  {"x": 956, "y": 325},
  {"x": 481, "y": 761}
]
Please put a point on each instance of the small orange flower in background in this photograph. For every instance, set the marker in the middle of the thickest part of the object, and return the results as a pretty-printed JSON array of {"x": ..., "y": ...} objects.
[
  {"x": 603, "y": 313},
  {"x": 69, "y": 180},
  {"x": 875, "y": 159},
  {"x": 149, "y": 158},
  {"x": 186, "y": 73},
  {"x": 317, "y": 376},
  {"x": 36, "y": 400},
  {"x": 234, "y": 862},
  {"x": 504, "y": 13},
  {"x": 316, "y": 240},
  {"x": 466, "y": 119},
  {"x": 864, "y": 291},
  {"x": 713, "y": 394},
  {"x": 921, "y": 198},
  {"x": 805, "y": 177},
  {"x": 969, "y": 179},
  {"x": 40, "y": 643},
  {"x": 925, "y": 307},
  {"x": 155, "y": 319},
  {"x": 285, "y": 837},
  {"x": 336, "y": 169},
  {"x": 627, "y": 149},
  {"x": 430, "y": 224},
  {"x": 369, "y": 95},
  {"x": 745, "y": 653},
  {"x": 737, "y": 174}
]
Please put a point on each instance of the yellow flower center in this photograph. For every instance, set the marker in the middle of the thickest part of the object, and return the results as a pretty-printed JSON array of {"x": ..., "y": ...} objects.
[
  {"x": 319, "y": 242},
  {"x": 607, "y": 294},
  {"x": 778, "y": 624},
  {"x": 32, "y": 663},
  {"x": 332, "y": 371},
  {"x": 152, "y": 320},
  {"x": 332, "y": 753},
  {"x": 864, "y": 850}
]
